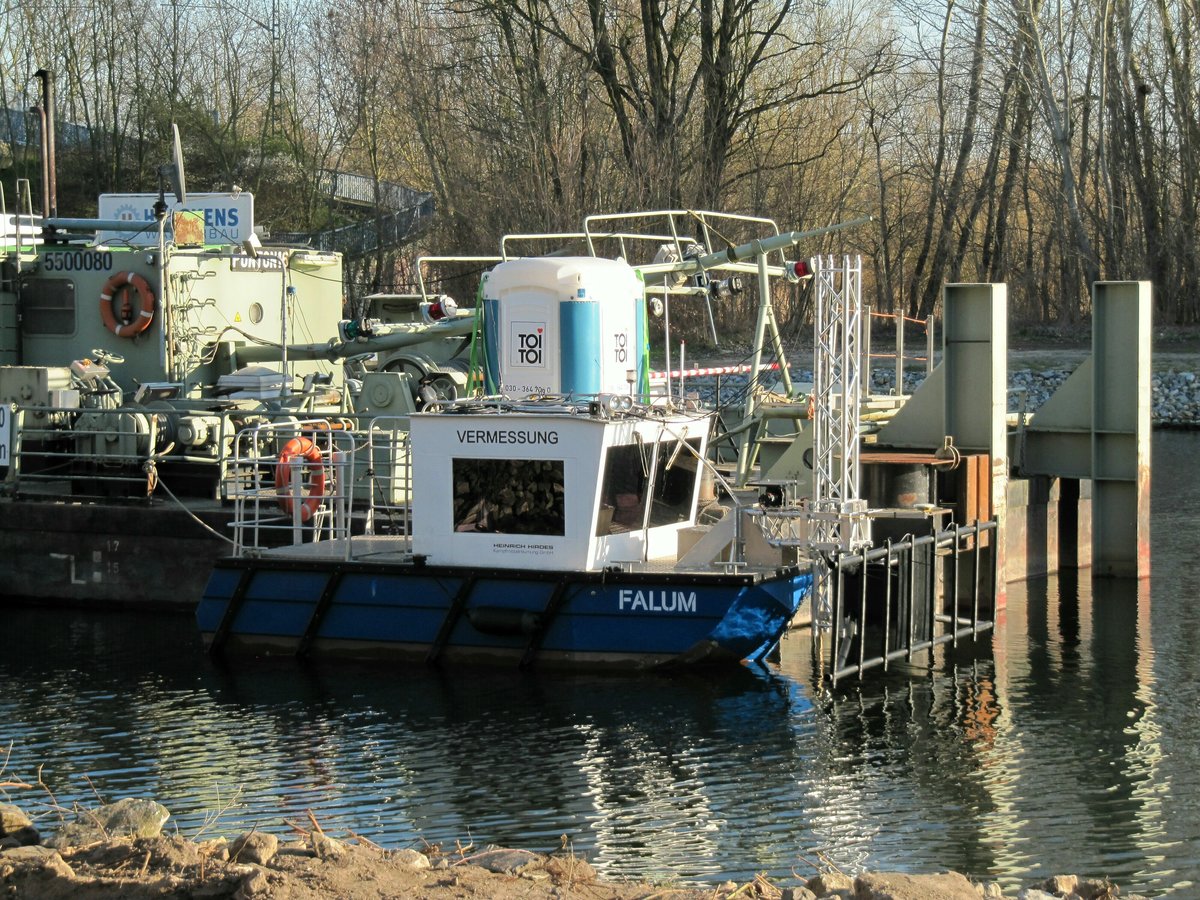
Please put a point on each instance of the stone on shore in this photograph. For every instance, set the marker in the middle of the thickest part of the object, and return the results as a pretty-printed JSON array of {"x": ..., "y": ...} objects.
[
  {"x": 127, "y": 818},
  {"x": 828, "y": 883},
  {"x": 118, "y": 852},
  {"x": 255, "y": 884},
  {"x": 570, "y": 870},
  {"x": 504, "y": 861},
  {"x": 414, "y": 859},
  {"x": 326, "y": 848},
  {"x": 900, "y": 886},
  {"x": 16, "y": 828},
  {"x": 1061, "y": 884},
  {"x": 254, "y": 847}
]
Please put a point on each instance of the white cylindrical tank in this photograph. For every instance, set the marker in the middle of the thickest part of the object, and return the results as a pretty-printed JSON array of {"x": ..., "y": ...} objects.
[{"x": 563, "y": 325}]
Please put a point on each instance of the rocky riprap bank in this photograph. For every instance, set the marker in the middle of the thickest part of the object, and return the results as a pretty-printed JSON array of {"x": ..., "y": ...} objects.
[
  {"x": 1174, "y": 396},
  {"x": 120, "y": 851}
]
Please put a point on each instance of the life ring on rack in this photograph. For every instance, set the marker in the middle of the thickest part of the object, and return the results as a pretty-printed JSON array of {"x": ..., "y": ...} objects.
[
  {"x": 141, "y": 318},
  {"x": 300, "y": 451}
]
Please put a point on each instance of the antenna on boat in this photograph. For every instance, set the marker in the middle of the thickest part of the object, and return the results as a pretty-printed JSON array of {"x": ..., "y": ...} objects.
[
  {"x": 171, "y": 172},
  {"x": 175, "y": 169}
]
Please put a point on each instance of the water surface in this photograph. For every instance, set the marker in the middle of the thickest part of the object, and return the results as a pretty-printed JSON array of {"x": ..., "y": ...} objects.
[{"x": 1065, "y": 743}]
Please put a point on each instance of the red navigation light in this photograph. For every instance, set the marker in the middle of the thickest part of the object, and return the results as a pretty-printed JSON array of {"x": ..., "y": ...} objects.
[
  {"x": 798, "y": 270},
  {"x": 441, "y": 308}
]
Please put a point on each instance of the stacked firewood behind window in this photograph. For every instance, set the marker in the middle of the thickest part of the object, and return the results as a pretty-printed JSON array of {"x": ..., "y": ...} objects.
[{"x": 518, "y": 496}]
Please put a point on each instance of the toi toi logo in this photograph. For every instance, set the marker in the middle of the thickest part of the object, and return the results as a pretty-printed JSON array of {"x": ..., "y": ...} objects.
[
  {"x": 621, "y": 352},
  {"x": 530, "y": 351}
]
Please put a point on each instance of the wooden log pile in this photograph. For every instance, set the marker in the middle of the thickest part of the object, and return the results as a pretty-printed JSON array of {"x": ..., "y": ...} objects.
[{"x": 519, "y": 496}]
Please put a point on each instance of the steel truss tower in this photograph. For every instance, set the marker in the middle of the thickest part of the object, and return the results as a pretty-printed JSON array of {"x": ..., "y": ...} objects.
[{"x": 838, "y": 515}]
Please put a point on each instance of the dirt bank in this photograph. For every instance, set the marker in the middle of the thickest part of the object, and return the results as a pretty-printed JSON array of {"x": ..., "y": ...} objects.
[{"x": 318, "y": 867}]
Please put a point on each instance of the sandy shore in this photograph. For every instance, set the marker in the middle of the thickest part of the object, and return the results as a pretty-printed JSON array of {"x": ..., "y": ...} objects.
[{"x": 319, "y": 867}]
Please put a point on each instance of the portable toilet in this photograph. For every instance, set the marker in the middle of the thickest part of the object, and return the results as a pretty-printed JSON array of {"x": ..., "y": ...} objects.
[{"x": 564, "y": 325}]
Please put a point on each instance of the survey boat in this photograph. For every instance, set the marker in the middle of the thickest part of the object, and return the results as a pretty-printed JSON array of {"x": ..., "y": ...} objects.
[
  {"x": 575, "y": 526},
  {"x": 548, "y": 535}
]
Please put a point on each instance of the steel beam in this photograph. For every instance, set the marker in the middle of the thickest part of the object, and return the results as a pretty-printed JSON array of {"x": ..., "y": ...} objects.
[
  {"x": 1121, "y": 428},
  {"x": 965, "y": 395},
  {"x": 1097, "y": 426}
]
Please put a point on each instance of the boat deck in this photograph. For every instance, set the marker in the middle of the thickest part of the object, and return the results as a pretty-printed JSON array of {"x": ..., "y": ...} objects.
[
  {"x": 365, "y": 548},
  {"x": 388, "y": 550}
]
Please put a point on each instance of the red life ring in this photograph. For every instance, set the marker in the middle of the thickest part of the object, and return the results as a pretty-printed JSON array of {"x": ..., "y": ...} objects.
[
  {"x": 141, "y": 319},
  {"x": 303, "y": 449}
]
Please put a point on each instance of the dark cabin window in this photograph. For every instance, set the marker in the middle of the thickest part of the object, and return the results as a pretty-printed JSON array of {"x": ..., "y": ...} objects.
[
  {"x": 48, "y": 306},
  {"x": 623, "y": 488},
  {"x": 509, "y": 496},
  {"x": 674, "y": 487}
]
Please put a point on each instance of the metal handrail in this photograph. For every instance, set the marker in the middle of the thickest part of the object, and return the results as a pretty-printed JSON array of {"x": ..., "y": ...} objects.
[
  {"x": 390, "y": 502},
  {"x": 901, "y": 557},
  {"x": 266, "y": 513}
]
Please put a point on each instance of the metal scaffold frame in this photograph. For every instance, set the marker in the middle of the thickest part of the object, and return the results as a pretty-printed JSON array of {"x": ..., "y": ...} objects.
[{"x": 839, "y": 521}]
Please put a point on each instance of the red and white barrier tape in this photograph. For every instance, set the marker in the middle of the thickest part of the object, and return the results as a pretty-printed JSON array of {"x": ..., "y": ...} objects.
[{"x": 714, "y": 370}]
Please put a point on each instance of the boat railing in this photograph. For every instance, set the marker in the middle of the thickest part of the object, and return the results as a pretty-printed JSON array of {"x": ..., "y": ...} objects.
[
  {"x": 118, "y": 453},
  {"x": 65, "y": 452},
  {"x": 902, "y": 354},
  {"x": 389, "y": 474},
  {"x": 680, "y": 225},
  {"x": 291, "y": 483},
  {"x": 903, "y": 597},
  {"x": 21, "y": 228}
]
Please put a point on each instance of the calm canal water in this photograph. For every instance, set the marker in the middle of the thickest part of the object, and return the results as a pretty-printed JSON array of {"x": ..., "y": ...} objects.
[{"x": 1068, "y": 742}]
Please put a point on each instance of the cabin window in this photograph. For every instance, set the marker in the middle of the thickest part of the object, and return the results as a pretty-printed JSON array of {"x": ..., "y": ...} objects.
[
  {"x": 675, "y": 482},
  {"x": 509, "y": 496},
  {"x": 623, "y": 488},
  {"x": 48, "y": 306},
  {"x": 626, "y": 480}
]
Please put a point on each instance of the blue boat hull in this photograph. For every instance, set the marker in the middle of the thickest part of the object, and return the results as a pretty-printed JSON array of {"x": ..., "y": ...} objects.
[{"x": 524, "y": 618}]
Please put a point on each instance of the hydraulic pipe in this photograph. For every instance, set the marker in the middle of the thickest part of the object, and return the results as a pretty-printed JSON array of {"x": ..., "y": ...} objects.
[
  {"x": 92, "y": 225},
  {"x": 749, "y": 250},
  {"x": 339, "y": 349}
]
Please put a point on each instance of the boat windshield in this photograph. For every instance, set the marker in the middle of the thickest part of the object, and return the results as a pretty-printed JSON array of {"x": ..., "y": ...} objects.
[{"x": 623, "y": 491}]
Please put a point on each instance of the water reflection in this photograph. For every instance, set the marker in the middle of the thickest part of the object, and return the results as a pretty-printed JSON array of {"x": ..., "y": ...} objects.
[
  {"x": 637, "y": 768},
  {"x": 640, "y": 770},
  {"x": 1080, "y": 663},
  {"x": 1064, "y": 742}
]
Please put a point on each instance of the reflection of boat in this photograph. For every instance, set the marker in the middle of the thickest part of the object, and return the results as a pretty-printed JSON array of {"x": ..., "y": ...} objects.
[
  {"x": 438, "y": 754},
  {"x": 561, "y": 528}
]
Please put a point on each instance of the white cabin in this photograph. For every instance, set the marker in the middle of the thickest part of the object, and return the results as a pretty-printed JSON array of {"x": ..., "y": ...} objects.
[{"x": 565, "y": 487}]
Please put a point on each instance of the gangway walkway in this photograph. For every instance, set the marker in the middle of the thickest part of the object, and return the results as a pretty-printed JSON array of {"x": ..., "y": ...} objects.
[{"x": 403, "y": 213}]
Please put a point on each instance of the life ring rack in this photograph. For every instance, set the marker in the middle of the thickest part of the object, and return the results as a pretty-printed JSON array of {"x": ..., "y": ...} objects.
[
  {"x": 304, "y": 452},
  {"x": 142, "y": 318}
]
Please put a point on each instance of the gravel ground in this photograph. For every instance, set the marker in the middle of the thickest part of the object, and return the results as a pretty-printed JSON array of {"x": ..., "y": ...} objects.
[{"x": 1033, "y": 375}]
